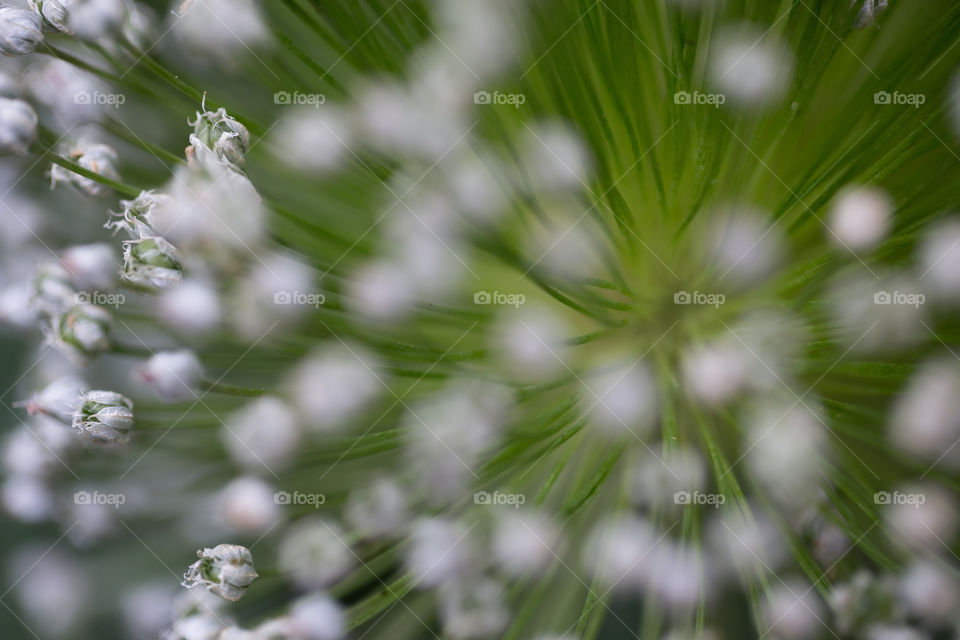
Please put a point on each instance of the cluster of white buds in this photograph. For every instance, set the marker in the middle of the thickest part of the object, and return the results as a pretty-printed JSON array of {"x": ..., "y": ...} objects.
[
  {"x": 218, "y": 132},
  {"x": 19, "y": 31},
  {"x": 18, "y": 125},
  {"x": 53, "y": 14},
  {"x": 226, "y": 570},
  {"x": 95, "y": 157},
  {"x": 103, "y": 417}
]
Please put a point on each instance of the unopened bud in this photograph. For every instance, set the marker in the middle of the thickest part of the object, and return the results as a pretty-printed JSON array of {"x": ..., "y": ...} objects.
[
  {"x": 103, "y": 417},
  {"x": 226, "y": 570},
  {"x": 151, "y": 262},
  {"x": 18, "y": 125},
  {"x": 19, "y": 31}
]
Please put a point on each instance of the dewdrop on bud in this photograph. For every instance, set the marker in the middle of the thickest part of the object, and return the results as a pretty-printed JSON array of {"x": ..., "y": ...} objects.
[
  {"x": 91, "y": 266},
  {"x": 54, "y": 15},
  {"x": 860, "y": 218},
  {"x": 314, "y": 553},
  {"x": 19, "y": 31},
  {"x": 58, "y": 399},
  {"x": 18, "y": 125},
  {"x": 98, "y": 158},
  {"x": 151, "y": 262},
  {"x": 103, "y": 417},
  {"x": 82, "y": 332},
  {"x": 174, "y": 375},
  {"x": 226, "y": 570},
  {"x": 869, "y": 12},
  {"x": 222, "y": 134}
]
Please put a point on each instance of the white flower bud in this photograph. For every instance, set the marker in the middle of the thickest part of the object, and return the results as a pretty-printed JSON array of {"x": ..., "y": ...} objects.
[
  {"x": 19, "y": 31},
  {"x": 473, "y": 609},
  {"x": 91, "y": 265},
  {"x": 314, "y": 553},
  {"x": 200, "y": 626},
  {"x": 222, "y": 29},
  {"x": 226, "y": 570},
  {"x": 794, "y": 612},
  {"x": 931, "y": 592},
  {"x": 262, "y": 435},
  {"x": 622, "y": 402},
  {"x": 82, "y": 332},
  {"x": 869, "y": 12},
  {"x": 98, "y": 158},
  {"x": 172, "y": 374},
  {"x": 152, "y": 262},
  {"x": 316, "y": 617},
  {"x": 18, "y": 125},
  {"x": 333, "y": 385},
  {"x": 525, "y": 543},
  {"x": 52, "y": 290},
  {"x": 96, "y": 19},
  {"x": 222, "y": 134},
  {"x": 54, "y": 15},
  {"x": 103, "y": 417},
  {"x": 136, "y": 217},
  {"x": 191, "y": 308},
  {"x": 247, "y": 504},
  {"x": 440, "y": 551},
  {"x": 379, "y": 510},
  {"x": 860, "y": 218},
  {"x": 313, "y": 140},
  {"x": 749, "y": 67},
  {"x": 27, "y": 498},
  {"x": 58, "y": 399}
]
